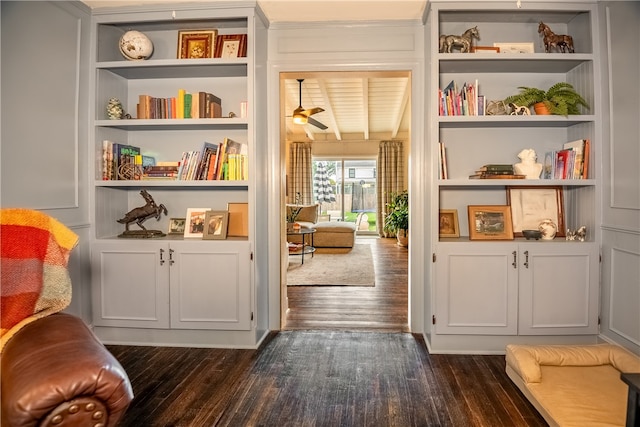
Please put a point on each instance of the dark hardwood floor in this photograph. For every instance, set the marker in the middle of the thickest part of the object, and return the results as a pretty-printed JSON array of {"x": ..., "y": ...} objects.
[
  {"x": 383, "y": 307},
  {"x": 357, "y": 367}
]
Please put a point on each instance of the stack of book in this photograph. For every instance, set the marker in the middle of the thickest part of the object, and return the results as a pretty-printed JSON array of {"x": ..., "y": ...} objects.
[
  {"x": 496, "y": 171},
  {"x": 163, "y": 170}
]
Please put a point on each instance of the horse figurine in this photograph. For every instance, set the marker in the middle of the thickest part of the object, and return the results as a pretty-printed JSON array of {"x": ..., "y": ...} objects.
[
  {"x": 141, "y": 214},
  {"x": 463, "y": 42},
  {"x": 561, "y": 42}
]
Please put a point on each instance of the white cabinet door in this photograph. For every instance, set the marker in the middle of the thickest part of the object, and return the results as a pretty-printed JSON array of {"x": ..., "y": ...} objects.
[
  {"x": 558, "y": 285},
  {"x": 130, "y": 284},
  {"x": 211, "y": 285},
  {"x": 476, "y": 289}
]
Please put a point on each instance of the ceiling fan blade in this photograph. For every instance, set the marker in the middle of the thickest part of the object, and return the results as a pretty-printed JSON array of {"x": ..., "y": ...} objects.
[
  {"x": 316, "y": 123},
  {"x": 313, "y": 111}
]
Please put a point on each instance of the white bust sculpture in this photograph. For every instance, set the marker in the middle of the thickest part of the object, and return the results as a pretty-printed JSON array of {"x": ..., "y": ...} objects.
[{"x": 528, "y": 165}]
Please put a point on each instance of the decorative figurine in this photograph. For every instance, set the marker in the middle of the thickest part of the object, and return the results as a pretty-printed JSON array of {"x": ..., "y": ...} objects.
[
  {"x": 548, "y": 228},
  {"x": 462, "y": 42},
  {"x": 114, "y": 109},
  {"x": 140, "y": 215},
  {"x": 579, "y": 234},
  {"x": 518, "y": 110},
  {"x": 528, "y": 165},
  {"x": 561, "y": 42}
]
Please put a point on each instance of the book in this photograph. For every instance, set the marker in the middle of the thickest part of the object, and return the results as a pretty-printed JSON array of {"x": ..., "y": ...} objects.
[
  {"x": 496, "y": 167},
  {"x": 576, "y": 169}
]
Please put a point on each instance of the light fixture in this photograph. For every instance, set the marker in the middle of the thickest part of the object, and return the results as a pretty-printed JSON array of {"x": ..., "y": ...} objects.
[{"x": 299, "y": 117}]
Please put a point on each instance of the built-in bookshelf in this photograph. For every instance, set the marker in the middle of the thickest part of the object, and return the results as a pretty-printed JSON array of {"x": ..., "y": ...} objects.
[
  {"x": 488, "y": 287},
  {"x": 186, "y": 141}
]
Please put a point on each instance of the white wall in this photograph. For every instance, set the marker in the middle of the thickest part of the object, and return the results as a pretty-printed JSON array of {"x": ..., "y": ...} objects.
[{"x": 620, "y": 295}]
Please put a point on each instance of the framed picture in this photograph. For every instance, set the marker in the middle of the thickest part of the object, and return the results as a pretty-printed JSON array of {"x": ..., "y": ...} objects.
[
  {"x": 531, "y": 205},
  {"x": 231, "y": 46},
  {"x": 196, "y": 43},
  {"x": 194, "y": 222},
  {"x": 515, "y": 47},
  {"x": 485, "y": 49},
  {"x": 449, "y": 223},
  {"x": 215, "y": 225},
  {"x": 238, "y": 219},
  {"x": 176, "y": 225},
  {"x": 490, "y": 222}
]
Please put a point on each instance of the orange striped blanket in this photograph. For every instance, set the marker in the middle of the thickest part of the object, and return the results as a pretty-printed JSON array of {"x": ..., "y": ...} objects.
[{"x": 35, "y": 251}]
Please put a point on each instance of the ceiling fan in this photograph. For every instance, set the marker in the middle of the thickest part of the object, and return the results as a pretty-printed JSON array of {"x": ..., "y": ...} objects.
[{"x": 302, "y": 116}]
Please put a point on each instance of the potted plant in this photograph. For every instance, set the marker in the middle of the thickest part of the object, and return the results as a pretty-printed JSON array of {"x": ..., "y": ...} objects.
[
  {"x": 561, "y": 99},
  {"x": 396, "y": 219}
]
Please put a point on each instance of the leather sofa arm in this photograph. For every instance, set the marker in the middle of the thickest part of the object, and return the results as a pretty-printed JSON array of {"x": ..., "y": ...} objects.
[{"x": 56, "y": 372}]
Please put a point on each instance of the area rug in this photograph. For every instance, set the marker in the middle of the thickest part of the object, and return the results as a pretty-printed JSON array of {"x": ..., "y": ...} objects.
[{"x": 329, "y": 267}]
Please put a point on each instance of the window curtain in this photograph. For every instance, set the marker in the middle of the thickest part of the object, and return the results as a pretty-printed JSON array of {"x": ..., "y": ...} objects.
[
  {"x": 390, "y": 178},
  {"x": 299, "y": 175}
]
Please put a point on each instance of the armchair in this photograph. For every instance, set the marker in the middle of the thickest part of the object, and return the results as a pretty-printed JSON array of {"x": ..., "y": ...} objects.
[{"x": 55, "y": 372}]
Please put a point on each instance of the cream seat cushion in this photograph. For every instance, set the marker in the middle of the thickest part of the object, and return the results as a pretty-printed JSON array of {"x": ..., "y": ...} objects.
[{"x": 574, "y": 385}]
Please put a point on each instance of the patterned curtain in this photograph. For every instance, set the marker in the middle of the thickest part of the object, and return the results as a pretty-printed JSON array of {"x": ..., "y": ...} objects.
[
  {"x": 390, "y": 177},
  {"x": 299, "y": 175}
]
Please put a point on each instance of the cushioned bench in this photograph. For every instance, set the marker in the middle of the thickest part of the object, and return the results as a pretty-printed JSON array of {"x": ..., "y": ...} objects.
[
  {"x": 329, "y": 234},
  {"x": 573, "y": 385}
]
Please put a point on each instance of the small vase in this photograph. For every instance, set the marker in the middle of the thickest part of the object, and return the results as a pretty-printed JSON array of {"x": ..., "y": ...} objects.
[
  {"x": 548, "y": 228},
  {"x": 541, "y": 109}
]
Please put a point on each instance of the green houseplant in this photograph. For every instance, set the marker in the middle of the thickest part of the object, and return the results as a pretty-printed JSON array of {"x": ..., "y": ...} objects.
[
  {"x": 396, "y": 219},
  {"x": 561, "y": 99}
]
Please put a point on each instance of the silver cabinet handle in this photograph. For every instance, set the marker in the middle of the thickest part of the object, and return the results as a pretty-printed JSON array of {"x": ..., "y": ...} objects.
[
  {"x": 171, "y": 261},
  {"x": 515, "y": 259},
  {"x": 161, "y": 257},
  {"x": 526, "y": 259}
]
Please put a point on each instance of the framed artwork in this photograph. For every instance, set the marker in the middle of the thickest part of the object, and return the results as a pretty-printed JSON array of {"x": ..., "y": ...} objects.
[
  {"x": 215, "y": 225},
  {"x": 449, "y": 226},
  {"x": 176, "y": 225},
  {"x": 194, "y": 222},
  {"x": 485, "y": 49},
  {"x": 490, "y": 222},
  {"x": 238, "y": 219},
  {"x": 231, "y": 46},
  {"x": 531, "y": 205},
  {"x": 515, "y": 47},
  {"x": 196, "y": 43}
]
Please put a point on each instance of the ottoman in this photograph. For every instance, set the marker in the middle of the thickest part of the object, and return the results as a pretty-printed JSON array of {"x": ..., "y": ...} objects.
[{"x": 334, "y": 234}]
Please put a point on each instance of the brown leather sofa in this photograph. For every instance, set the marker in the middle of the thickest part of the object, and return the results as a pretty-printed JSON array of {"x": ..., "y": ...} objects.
[{"x": 55, "y": 372}]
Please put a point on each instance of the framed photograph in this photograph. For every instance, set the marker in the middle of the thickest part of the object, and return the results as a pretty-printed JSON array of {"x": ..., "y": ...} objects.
[
  {"x": 176, "y": 225},
  {"x": 485, "y": 49},
  {"x": 490, "y": 222},
  {"x": 196, "y": 43},
  {"x": 531, "y": 205},
  {"x": 238, "y": 219},
  {"x": 515, "y": 47},
  {"x": 194, "y": 222},
  {"x": 449, "y": 226},
  {"x": 231, "y": 46},
  {"x": 215, "y": 225}
]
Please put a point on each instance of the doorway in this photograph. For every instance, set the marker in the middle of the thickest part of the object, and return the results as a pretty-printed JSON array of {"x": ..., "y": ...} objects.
[{"x": 350, "y": 151}]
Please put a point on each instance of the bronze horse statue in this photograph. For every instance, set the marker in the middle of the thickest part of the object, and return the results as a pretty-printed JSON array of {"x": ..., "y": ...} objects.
[
  {"x": 143, "y": 213},
  {"x": 464, "y": 42},
  {"x": 561, "y": 42}
]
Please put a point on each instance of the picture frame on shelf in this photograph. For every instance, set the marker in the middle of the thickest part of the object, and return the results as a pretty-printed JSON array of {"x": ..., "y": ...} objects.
[
  {"x": 215, "y": 225},
  {"x": 508, "y": 47},
  {"x": 485, "y": 49},
  {"x": 530, "y": 205},
  {"x": 231, "y": 46},
  {"x": 177, "y": 225},
  {"x": 196, "y": 44},
  {"x": 238, "y": 219},
  {"x": 194, "y": 223},
  {"x": 449, "y": 226},
  {"x": 490, "y": 222}
]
